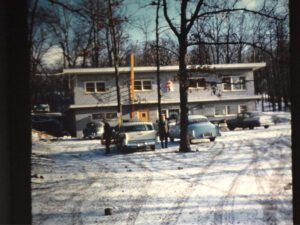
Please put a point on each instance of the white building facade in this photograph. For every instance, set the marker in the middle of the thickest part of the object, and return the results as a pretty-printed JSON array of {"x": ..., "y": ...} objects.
[{"x": 216, "y": 91}]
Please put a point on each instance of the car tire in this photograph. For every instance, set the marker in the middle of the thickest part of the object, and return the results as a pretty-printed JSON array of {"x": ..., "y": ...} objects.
[
  {"x": 212, "y": 139},
  {"x": 266, "y": 126},
  {"x": 230, "y": 128},
  {"x": 251, "y": 127},
  {"x": 152, "y": 147},
  {"x": 172, "y": 139},
  {"x": 123, "y": 149}
]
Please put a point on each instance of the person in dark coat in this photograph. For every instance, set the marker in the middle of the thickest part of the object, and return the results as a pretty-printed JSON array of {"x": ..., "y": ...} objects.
[
  {"x": 163, "y": 131},
  {"x": 107, "y": 135}
]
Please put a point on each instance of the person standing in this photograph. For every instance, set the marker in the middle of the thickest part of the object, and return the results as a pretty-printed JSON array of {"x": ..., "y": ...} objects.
[
  {"x": 107, "y": 135},
  {"x": 163, "y": 131}
]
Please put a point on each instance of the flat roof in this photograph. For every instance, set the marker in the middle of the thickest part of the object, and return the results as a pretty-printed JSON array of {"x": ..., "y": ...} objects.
[
  {"x": 231, "y": 98},
  {"x": 147, "y": 69}
]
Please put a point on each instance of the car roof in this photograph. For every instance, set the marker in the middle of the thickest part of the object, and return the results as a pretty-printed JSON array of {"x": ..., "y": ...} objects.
[
  {"x": 136, "y": 123},
  {"x": 192, "y": 117}
]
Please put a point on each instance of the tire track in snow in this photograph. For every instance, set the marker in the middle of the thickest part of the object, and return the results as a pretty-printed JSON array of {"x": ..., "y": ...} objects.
[
  {"x": 227, "y": 217},
  {"x": 163, "y": 156},
  {"x": 270, "y": 207},
  {"x": 178, "y": 206},
  {"x": 139, "y": 201},
  {"x": 71, "y": 201},
  {"x": 220, "y": 215}
]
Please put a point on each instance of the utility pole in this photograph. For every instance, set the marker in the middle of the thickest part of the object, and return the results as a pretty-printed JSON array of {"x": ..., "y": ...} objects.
[{"x": 132, "y": 113}]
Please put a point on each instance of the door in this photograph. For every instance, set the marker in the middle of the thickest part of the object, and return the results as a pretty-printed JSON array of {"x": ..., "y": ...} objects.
[{"x": 143, "y": 116}]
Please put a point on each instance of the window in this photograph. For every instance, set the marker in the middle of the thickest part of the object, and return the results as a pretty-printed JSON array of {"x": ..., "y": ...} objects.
[
  {"x": 243, "y": 108},
  {"x": 239, "y": 83},
  {"x": 226, "y": 81},
  {"x": 198, "y": 83},
  {"x": 233, "y": 83},
  {"x": 174, "y": 114},
  {"x": 89, "y": 87},
  {"x": 231, "y": 109},
  {"x": 101, "y": 116},
  {"x": 142, "y": 85},
  {"x": 138, "y": 85},
  {"x": 111, "y": 115},
  {"x": 135, "y": 128},
  {"x": 100, "y": 86},
  {"x": 223, "y": 110},
  {"x": 220, "y": 110},
  {"x": 98, "y": 116},
  {"x": 147, "y": 85},
  {"x": 92, "y": 87}
]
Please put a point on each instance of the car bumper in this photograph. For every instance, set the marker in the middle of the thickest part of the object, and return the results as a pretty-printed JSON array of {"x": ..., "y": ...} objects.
[{"x": 139, "y": 144}]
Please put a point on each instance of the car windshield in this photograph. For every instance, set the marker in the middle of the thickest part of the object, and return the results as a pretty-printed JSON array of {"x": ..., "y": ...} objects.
[
  {"x": 198, "y": 120},
  {"x": 137, "y": 127},
  {"x": 253, "y": 114}
]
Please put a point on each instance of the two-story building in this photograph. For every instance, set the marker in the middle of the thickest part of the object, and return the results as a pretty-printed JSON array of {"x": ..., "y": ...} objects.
[{"x": 219, "y": 92}]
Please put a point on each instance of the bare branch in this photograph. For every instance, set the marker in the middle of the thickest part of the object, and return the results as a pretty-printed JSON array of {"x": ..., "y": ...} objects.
[
  {"x": 252, "y": 44},
  {"x": 67, "y": 7},
  {"x": 168, "y": 18},
  {"x": 194, "y": 16},
  {"x": 241, "y": 9}
]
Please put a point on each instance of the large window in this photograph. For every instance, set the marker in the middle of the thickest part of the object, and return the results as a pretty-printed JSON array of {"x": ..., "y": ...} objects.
[
  {"x": 94, "y": 87},
  {"x": 142, "y": 85},
  {"x": 223, "y": 110},
  {"x": 220, "y": 110},
  {"x": 101, "y": 116},
  {"x": 234, "y": 83},
  {"x": 198, "y": 83},
  {"x": 243, "y": 108}
]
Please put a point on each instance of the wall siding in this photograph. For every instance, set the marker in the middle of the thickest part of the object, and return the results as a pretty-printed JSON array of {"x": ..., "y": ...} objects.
[{"x": 145, "y": 99}]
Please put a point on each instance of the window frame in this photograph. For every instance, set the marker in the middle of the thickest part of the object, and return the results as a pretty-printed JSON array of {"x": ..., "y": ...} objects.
[
  {"x": 142, "y": 85},
  {"x": 95, "y": 87},
  {"x": 233, "y": 85},
  {"x": 243, "y": 105},
  {"x": 103, "y": 115},
  {"x": 197, "y": 83},
  {"x": 226, "y": 110}
]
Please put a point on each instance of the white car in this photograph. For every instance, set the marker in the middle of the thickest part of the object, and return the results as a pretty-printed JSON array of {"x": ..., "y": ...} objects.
[{"x": 134, "y": 135}]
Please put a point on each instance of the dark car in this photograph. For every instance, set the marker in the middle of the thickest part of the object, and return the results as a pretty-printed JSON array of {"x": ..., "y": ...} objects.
[
  {"x": 250, "y": 120},
  {"x": 49, "y": 125},
  {"x": 93, "y": 130}
]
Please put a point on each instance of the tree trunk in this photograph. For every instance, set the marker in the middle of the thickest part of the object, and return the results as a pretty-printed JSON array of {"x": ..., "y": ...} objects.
[
  {"x": 157, "y": 62},
  {"x": 183, "y": 89}
]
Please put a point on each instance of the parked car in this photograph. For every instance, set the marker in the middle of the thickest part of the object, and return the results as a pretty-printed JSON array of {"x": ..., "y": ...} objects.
[
  {"x": 250, "y": 120},
  {"x": 281, "y": 118},
  {"x": 93, "y": 130},
  {"x": 134, "y": 135},
  {"x": 49, "y": 125},
  {"x": 199, "y": 128}
]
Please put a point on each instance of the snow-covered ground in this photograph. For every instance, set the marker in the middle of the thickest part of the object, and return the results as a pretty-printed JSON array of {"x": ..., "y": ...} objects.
[{"x": 244, "y": 177}]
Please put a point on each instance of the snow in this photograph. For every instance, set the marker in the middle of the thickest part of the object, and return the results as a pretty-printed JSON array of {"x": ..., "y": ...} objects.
[{"x": 244, "y": 177}]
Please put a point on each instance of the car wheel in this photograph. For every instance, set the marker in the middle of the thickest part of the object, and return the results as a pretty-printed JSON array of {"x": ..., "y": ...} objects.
[
  {"x": 152, "y": 147},
  {"x": 230, "y": 128},
  {"x": 123, "y": 149},
  {"x": 172, "y": 139},
  {"x": 251, "y": 127},
  {"x": 266, "y": 126},
  {"x": 212, "y": 139}
]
